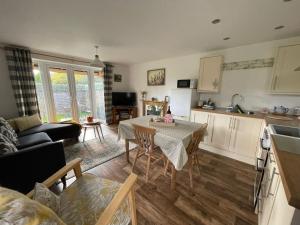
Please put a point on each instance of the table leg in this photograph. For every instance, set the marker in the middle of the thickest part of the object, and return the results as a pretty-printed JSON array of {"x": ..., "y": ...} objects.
[
  {"x": 101, "y": 131},
  {"x": 84, "y": 132},
  {"x": 127, "y": 149},
  {"x": 173, "y": 178},
  {"x": 95, "y": 131},
  {"x": 98, "y": 133}
]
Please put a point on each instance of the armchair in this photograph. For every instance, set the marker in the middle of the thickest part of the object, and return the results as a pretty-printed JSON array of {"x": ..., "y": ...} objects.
[{"x": 126, "y": 191}]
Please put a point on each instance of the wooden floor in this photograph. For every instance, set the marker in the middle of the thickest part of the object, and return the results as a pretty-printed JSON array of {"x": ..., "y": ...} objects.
[{"x": 222, "y": 191}]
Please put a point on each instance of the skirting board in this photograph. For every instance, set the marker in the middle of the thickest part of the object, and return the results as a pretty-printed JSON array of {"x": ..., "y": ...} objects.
[{"x": 228, "y": 153}]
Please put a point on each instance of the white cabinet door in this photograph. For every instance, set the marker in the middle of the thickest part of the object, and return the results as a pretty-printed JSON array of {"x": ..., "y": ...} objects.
[
  {"x": 282, "y": 213},
  {"x": 245, "y": 136},
  {"x": 210, "y": 74},
  {"x": 286, "y": 74},
  {"x": 204, "y": 117},
  {"x": 221, "y": 131}
]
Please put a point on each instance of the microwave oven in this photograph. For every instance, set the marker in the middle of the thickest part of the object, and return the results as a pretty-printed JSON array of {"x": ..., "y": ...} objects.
[{"x": 188, "y": 83}]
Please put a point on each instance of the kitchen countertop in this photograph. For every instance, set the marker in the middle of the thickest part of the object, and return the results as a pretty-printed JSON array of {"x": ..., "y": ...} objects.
[
  {"x": 289, "y": 167},
  {"x": 288, "y": 163}
]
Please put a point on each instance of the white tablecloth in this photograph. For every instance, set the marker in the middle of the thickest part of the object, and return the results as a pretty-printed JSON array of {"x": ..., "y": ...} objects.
[{"x": 173, "y": 141}]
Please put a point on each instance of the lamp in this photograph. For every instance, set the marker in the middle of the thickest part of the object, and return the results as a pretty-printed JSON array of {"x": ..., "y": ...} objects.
[{"x": 97, "y": 62}]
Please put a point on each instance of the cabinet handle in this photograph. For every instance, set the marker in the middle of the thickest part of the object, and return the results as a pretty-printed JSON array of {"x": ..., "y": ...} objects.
[
  {"x": 271, "y": 160},
  {"x": 230, "y": 123},
  {"x": 208, "y": 118},
  {"x": 275, "y": 82},
  {"x": 271, "y": 182},
  {"x": 234, "y": 123}
]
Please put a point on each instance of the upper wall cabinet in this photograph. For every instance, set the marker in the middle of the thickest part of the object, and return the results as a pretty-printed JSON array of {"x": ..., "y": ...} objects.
[
  {"x": 286, "y": 74},
  {"x": 210, "y": 74}
]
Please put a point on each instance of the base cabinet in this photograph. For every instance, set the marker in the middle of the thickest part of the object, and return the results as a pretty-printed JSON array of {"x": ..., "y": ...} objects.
[{"x": 233, "y": 136}]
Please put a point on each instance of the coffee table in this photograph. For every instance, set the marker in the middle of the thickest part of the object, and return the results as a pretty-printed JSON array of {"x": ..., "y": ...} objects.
[{"x": 95, "y": 125}]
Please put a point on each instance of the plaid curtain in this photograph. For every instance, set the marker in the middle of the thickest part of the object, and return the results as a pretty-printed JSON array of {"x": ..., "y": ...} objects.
[
  {"x": 22, "y": 79},
  {"x": 108, "y": 74}
]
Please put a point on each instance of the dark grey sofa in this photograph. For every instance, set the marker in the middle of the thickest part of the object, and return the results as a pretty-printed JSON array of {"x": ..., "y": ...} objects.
[{"x": 39, "y": 155}]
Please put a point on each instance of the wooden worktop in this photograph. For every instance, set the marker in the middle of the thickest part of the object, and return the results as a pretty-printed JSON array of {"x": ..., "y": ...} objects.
[
  {"x": 288, "y": 163},
  {"x": 289, "y": 168}
]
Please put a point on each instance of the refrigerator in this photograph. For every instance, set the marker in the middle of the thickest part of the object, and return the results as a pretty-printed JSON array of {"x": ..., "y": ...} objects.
[{"x": 182, "y": 100}]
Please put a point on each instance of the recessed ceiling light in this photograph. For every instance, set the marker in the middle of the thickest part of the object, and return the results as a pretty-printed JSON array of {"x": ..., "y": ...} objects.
[
  {"x": 287, "y": 0},
  {"x": 215, "y": 21},
  {"x": 226, "y": 38},
  {"x": 278, "y": 27}
]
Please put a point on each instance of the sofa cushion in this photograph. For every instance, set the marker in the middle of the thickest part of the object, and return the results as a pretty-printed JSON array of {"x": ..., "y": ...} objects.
[
  {"x": 8, "y": 131},
  {"x": 86, "y": 198},
  {"x": 27, "y": 122},
  {"x": 16, "y": 208},
  {"x": 7, "y": 147},
  {"x": 56, "y": 131},
  {"x": 46, "y": 197},
  {"x": 33, "y": 139}
]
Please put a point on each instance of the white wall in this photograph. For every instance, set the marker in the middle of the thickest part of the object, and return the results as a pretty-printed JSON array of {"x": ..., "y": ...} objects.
[
  {"x": 124, "y": 84},
  {"x": 8, "y": 107},
  {"x": 251, "y": 83}
]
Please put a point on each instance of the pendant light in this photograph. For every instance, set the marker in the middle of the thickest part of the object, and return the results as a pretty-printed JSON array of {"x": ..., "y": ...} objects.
[{"x": 97, "y": 62}]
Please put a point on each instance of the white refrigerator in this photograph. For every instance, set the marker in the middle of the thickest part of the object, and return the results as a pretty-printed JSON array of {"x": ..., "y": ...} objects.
[{"x": 182, "y": 100}]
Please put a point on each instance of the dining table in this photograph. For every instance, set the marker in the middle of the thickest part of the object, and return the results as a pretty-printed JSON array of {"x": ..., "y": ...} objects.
[{"x": 172, "y": 140}]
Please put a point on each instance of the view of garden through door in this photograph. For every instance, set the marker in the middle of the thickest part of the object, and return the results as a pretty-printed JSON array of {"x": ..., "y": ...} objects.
[{"x": 68, "y": 92}]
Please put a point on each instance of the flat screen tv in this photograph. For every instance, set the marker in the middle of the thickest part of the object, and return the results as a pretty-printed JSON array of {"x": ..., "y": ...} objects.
[{"x": 124, "y": 99}]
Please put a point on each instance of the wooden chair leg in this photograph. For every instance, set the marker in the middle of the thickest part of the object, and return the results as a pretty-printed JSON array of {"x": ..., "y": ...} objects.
[
  {"x": 84, "y": 134},
  {"x": 131, "y": 196},
  {"x": 148, "y": 168},
  {"x": 191, "y": 172},
  {"x": 135, "y": 159},
  {"x": 198, "y": 162},
  {"x": 173, "y": 178},
  {"x": 166, "y": 167}
]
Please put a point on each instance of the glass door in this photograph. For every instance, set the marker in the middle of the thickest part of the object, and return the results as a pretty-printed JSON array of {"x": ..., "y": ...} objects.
[
  {"x": 99, "y": 95},
  {"x": 61, "y": 93},
  {"x": 83, "y": 94}
]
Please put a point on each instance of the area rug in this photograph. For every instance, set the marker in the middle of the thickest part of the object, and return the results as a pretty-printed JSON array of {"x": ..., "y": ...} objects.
[{"x": 94, "y": 153}]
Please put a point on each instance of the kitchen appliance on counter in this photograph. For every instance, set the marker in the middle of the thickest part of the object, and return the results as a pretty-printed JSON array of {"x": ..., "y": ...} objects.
[
  {"x": 182, "y": 100},
  {"x": 296, "y": 111},
  {"x": 280, "y": 110},
  {"x": 187, "y": 83}
]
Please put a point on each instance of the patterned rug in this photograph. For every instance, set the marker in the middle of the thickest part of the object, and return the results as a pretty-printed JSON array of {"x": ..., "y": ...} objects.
[{"x": 94, "y": 153}]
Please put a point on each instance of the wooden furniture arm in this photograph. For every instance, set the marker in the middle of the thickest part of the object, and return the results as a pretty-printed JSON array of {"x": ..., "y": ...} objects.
[
  {"x": 73, "y": 165},
  {"x": 127, "y": 189}
]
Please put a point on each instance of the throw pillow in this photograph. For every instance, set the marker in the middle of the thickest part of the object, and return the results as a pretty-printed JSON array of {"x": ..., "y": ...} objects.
[
  {"x": 16, "y": 208},
  {"x": 13, "y": 124},
  {"x": 26, "y": 122},
  {"x": 8, "y": 131},
  {"x": 7, "y": 147},
  {"x": 46, "y": 197}
]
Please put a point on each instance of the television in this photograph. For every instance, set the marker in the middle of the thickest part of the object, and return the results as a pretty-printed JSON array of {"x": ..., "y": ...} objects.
[{"x": 124, "y": 99}]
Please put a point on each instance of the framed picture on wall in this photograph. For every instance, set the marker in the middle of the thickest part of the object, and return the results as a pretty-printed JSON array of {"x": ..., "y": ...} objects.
[
  {"x": 117, "y": 78},
  {"x": 156, "y": 77}
]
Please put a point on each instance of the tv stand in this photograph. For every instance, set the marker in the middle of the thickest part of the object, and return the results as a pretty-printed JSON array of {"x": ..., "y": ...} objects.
[{"x": 123, "y": 112}]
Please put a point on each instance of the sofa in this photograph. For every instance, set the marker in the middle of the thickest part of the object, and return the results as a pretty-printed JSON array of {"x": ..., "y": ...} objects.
[{"x": 36, "y": 155}]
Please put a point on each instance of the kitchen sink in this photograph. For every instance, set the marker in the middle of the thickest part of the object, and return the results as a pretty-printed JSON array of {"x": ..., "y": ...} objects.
[{"x": 285, "y": 131}]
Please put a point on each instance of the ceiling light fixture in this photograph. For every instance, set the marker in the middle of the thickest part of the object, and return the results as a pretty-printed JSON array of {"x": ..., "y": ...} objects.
[
  {"x": 226, "y": 38},
  {"x": 287, "y": 0},
  {"x": 216, "y": 21},
  {"x": 97, "y": 62},
  {"x": 278, "y": 27}
]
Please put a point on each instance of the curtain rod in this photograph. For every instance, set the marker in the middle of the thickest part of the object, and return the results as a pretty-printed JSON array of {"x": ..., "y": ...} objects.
[{"x": 58, "y": 57}]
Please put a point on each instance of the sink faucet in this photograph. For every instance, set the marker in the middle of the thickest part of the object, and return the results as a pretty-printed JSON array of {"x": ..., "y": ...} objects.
[{"x": 233, "y": 97}]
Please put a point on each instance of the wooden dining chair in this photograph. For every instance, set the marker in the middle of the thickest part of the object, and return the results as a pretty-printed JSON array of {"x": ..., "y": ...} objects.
[
  {"x": 144, "y": 137},
  {"x": 192, "y": 149}
]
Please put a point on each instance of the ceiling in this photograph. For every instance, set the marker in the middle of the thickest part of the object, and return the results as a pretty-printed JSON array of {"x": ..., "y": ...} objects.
[{"x": 134, "y": 31}]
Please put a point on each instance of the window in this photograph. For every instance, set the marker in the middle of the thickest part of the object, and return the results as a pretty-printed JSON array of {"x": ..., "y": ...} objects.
[
  {"x": 99, "y": 95},
  {"x": 83, "y": 94},
  {"x": 61, "y": 94},
  {"x": 68, "y": 92},
  {"x": 40, "y": 93}
]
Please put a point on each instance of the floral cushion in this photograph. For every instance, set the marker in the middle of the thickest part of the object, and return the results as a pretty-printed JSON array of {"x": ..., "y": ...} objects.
[
  {"x": 16, "y": 208},
  {"x": 46, "y": 197},
  {"x": 84, "y": 201},
  {"x": 8, "y": 131}
]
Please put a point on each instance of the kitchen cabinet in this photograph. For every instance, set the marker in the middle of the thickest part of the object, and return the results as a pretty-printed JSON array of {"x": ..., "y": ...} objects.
[
  {"x": 210, "y": 74},
  {"x": 221, "y": 131},
  {"x": 286, "y": 72},
  {"x": 245, "y": 135},
  {"x": 232, "y": 136}
]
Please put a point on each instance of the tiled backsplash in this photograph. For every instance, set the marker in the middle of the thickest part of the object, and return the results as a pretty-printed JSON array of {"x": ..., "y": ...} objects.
[{"x": 249, "y": 64}]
